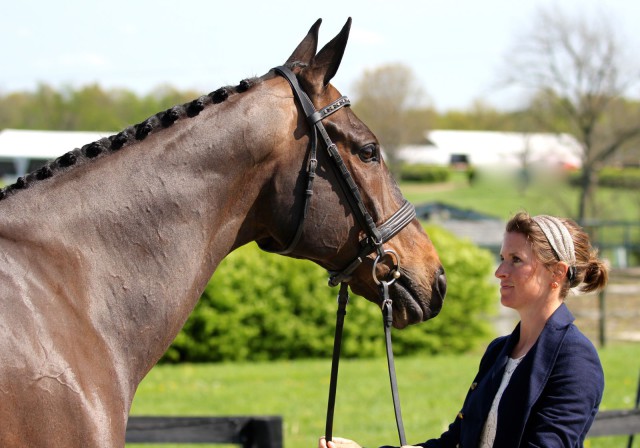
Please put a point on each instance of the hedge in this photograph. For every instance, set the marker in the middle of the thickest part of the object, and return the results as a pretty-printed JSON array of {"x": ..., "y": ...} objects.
[
  {"x": 261, "y": 306},
  {"x": 611, "y": 177},
  {"x": 620, "y": 177},
  {"x": 418, "y": 172}
]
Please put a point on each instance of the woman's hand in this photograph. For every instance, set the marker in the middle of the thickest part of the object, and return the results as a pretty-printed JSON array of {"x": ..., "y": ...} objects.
[{"x": 337, "y": 442}]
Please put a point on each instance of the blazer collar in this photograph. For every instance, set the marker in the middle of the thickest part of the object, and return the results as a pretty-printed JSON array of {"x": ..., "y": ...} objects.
[
  {"x": 544, "y": 351},
  {"x": 559, "y": 320}
]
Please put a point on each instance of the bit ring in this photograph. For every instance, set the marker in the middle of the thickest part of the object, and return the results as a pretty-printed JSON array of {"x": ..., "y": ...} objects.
[{"x": 395, "y": 270}]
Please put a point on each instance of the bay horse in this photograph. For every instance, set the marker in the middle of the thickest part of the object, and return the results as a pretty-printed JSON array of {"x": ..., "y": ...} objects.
[{"x": 105, "y": 251}]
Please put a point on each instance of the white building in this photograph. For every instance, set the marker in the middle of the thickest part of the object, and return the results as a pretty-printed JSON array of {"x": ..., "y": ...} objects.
[
  {"x": 488, "y": 149},
  {"x": 23, "y": 151}
]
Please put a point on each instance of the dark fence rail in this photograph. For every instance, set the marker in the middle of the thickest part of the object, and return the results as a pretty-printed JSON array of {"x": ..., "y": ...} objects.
[
  {"x": 616, "y": 423},
  {"x": 619, "y": 241},
  {"x": 248, "y": 432},
  {"x": 266, "y": 432}
]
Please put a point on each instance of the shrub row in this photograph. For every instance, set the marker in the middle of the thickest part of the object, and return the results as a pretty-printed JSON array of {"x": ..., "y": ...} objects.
[
  {"x": 261, "y": 306},
  {"x": 417, "y": 172},
  {"x": 620, "y": 177},
  {"x": 614, "y": 178}
]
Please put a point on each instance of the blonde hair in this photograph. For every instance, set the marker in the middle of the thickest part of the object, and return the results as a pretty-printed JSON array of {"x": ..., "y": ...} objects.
[{"x": 591, "y": 273}]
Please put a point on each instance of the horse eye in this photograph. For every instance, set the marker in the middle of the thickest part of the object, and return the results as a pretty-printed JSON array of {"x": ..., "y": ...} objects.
[{"x": 368, "y": 153}]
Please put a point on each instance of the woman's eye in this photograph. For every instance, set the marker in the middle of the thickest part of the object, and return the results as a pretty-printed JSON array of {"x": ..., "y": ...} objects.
[{"x": 368, "y": 153}]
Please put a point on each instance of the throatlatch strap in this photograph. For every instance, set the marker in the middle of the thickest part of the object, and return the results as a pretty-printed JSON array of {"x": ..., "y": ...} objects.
[
  {"x": 346, "y": 180},
  {"x": 343, "y": 299}
]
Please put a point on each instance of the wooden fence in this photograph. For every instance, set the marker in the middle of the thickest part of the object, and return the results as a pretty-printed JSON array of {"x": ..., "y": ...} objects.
[
  {"x": 266, "y": 432},
  {"x": 616, "y": 423},
  {"x": 618, "y": 241},
  {"x": 248, "y": 432}
]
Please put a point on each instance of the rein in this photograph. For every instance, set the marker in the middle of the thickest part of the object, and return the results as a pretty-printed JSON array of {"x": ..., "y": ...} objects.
[
  {"x": 376, "y": 236},
  {"x": 387, "y": 319}
]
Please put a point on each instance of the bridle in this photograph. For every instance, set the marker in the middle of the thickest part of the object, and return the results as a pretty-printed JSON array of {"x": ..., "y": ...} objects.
[{"x": 375, "y": 237}]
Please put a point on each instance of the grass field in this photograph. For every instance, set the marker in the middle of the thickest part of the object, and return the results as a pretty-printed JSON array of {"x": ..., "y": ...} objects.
[
  {"x": 431, "y": 390},
  {"x": 500, "y": 196}
]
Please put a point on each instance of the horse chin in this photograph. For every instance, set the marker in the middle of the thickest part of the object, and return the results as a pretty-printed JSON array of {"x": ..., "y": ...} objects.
[
  {"x": 408, "y": 308},
  {"x": 412, "y": 304}
]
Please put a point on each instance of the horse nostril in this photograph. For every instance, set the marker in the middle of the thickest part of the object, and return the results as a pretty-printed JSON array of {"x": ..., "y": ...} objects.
[{"x": 440, "y": 284}]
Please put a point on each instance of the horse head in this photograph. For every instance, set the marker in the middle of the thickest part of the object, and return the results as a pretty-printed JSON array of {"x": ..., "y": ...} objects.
[{"x": 342, "y": 193}]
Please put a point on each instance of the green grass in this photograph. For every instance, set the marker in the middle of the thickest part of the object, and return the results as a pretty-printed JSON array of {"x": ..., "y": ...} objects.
[
  {"x": 431, "y": 390},
  {"x": 500, "y": 196}
]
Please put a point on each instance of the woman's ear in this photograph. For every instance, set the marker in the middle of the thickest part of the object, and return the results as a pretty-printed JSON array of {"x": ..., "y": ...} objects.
[{"x": 560, "y": 271}]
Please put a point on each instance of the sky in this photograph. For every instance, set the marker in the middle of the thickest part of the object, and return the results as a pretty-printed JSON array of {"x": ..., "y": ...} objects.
[{"x": 455, "y": 48}]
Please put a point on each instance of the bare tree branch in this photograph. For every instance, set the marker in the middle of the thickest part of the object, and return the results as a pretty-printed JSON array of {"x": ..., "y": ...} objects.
[{"x": 578, "y": 73}]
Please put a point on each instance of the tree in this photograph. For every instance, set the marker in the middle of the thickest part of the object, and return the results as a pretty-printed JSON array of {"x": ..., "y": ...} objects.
[
  {"x": 85, "y": 108},
  {"x": 390, "y": 101},
  {"x": 579, "y": 75},
  {"x": 479, "y": 117}
]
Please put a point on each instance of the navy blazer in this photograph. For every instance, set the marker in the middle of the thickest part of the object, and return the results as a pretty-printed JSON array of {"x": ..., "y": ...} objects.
[{"x": 552, "y": 397}]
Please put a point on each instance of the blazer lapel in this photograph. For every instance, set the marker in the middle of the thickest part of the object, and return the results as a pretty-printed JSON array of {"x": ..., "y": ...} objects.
[
  {"x": 545, "y": 351},
  {"x": 529, "y": 380},
  {"x": 479, "y": 402},
  {"x": 501, "y": 361}
]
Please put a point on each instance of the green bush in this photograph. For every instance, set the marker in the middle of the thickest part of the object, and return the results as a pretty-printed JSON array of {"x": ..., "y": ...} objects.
[
  {"x": 472, "y": 297},
  {"x": 418, "y": 172},
  {"x": 260, "y": 306},
  {"x": 625, "y": 178},
  {"x": 620, "y": 177}
]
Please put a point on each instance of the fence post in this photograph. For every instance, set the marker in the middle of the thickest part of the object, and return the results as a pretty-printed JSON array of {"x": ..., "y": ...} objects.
[
  {"x": 263, "y": 432},
  {"x": 602, "y": 317},
  {"x": 247, "y": 431},
  {"x": 630, "y": 441}
]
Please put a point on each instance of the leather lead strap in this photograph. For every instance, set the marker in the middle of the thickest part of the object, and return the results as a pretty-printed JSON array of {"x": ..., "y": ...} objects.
[
  {"x": 387, "y": 318},
  {"x": 388, "y": 322},
  {"x": 343, "y": 299}
]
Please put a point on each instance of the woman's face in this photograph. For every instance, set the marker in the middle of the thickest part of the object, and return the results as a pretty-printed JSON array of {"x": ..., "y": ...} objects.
[{"x": 524, "y": 282}]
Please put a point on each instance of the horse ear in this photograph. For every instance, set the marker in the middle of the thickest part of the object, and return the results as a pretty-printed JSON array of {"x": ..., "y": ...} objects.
[
  {"x": 327, "y": 61},
  {"x": 306, "y": 49}
]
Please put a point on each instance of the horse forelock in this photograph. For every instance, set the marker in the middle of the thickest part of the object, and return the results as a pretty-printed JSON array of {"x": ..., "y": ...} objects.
[{"x": 128, "y": 136}]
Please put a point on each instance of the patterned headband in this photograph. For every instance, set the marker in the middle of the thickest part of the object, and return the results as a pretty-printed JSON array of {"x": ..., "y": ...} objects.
[{"x": 560, "y": 240}]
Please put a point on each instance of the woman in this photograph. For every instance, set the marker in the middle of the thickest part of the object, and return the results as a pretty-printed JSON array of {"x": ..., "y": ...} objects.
[{"x": 542, "y": 385}]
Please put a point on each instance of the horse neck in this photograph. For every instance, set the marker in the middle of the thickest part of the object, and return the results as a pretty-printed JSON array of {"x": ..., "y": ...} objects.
[{"x": 139, "y": 232}]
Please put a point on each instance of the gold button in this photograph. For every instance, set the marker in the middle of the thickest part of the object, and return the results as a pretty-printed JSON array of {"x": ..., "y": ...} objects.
[
  {"x": 460, "y": 415},
  {"x": 474, "y": 385}
]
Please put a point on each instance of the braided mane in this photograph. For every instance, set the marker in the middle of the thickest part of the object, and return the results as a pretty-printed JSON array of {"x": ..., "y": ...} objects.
[{"x": 127, "y": 136}]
